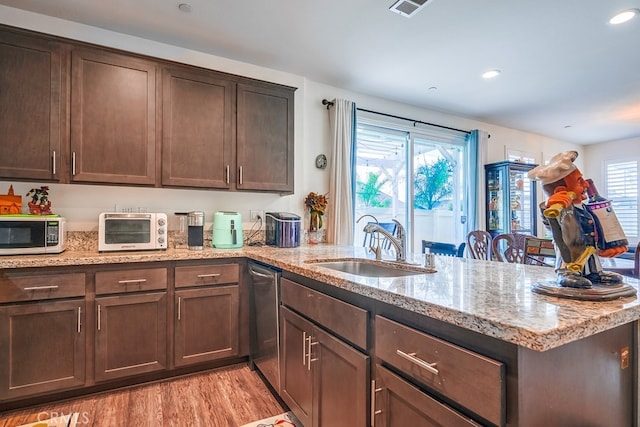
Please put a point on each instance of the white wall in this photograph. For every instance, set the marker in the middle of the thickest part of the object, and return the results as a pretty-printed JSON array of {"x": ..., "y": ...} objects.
[{"x": 81, "y": 204}]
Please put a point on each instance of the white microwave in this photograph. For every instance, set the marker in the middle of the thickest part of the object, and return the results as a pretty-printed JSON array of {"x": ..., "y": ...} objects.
[
  {"x": 31, "y": 234},
  {"x": 132, "y": 231}
]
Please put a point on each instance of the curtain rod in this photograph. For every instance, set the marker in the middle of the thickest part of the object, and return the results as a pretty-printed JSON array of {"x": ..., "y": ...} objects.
[{"x": 329, "y": 104}]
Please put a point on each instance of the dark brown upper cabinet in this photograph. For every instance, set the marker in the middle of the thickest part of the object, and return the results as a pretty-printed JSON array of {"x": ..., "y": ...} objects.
[
  {"x": 198, "y": 128},
  {"x": 71, "y": 112},
  {"x": 264, "y": 139},
  {"x": 30, "y": 107},
  {"x": 113, "y": 118}
]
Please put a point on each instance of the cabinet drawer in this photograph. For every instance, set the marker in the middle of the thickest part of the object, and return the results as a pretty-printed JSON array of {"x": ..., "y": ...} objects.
[
  {"x": 470, "y": 379},
  {"x": 144, "y": 279},
  {"x": 203, "y": 275},
  {"x": 346, "y": 320},
  {"x": 17, "y": 287},
  {"x": 400, "y": 403}
]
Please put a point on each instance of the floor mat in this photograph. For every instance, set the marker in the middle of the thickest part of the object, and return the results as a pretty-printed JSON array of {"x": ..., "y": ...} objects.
[
  {"x": 283, "y": 420},
  {"x": 61, "y": 421}
]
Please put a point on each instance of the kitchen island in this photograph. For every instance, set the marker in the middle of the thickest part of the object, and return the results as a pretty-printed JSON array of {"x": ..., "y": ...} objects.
[
  {"x": 491, "y": 298},
  {"x": 560, "y": 356}
]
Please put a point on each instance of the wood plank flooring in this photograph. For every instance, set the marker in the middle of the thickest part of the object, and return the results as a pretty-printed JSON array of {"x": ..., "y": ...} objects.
[{"x": 228, "y": 397}]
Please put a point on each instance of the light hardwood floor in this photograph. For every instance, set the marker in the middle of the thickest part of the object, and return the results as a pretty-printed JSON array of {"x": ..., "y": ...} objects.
[{"x": 228, "y": 397}]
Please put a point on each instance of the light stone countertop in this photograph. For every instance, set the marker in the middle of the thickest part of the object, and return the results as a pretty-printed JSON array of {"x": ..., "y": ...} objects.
[{"x": 491, "y": 298}]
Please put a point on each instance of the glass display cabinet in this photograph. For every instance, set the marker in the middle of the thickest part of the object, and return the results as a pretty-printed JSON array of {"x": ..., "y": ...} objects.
[{"x": 511, "y": 198}]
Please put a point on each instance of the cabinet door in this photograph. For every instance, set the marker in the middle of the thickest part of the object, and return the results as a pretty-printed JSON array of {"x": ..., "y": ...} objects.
[
  {"x": 340, "y": 382},
  {"x": 197, "y": 128},
  {"x": 113, "y": 118},
  {"x": 295, "y": 373},
  {"x": 265, "y": 138},
  {"x": 396, "y": 403},
  {"x": 206, "y": 324},
  {"x": 42, "y": 348},
  {"x": 131, "y": 335},
  {"x": 30, "y": 107}
]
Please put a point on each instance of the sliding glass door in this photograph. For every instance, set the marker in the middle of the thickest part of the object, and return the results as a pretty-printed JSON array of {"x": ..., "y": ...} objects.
[{"x": 416, "y": 176}]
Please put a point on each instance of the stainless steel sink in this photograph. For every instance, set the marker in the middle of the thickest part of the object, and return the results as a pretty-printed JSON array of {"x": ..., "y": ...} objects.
[{"x": 370, "y": 268}]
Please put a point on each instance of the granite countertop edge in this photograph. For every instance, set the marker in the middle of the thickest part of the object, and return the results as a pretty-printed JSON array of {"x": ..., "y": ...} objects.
[{"x": 574, "y": 320}]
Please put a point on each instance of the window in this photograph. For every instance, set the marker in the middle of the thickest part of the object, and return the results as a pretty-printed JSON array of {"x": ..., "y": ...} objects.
[
  {"x": 416, "y": 175},
  {"x": 621, "y": 177}
]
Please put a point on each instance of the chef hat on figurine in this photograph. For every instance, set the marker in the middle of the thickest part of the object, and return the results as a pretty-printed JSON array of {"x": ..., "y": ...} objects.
[{"x": 558, "y": 167}]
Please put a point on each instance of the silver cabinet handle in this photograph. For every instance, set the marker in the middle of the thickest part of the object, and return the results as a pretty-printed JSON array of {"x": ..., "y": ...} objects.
[
  {"x": 431, "y": 367},
  {"x": 202, "y": 276},
  {"x": 226, "y": 172},
  {"x": 40, "y": 288},
  {"x": 309, "y": 359},
  {"x": 98, "y": 316},
  {"x": 240, "y": 172},
  {"x": 304, "y": 348},
  {"x": 53, "y": 155},
  {"x": 179, "y": 306},
  {"x": 79, "y": 313},
  {"x": 73, "y": 163},
  {"x": 126, "y": 282},
  {"x": 374, "y": 390}
]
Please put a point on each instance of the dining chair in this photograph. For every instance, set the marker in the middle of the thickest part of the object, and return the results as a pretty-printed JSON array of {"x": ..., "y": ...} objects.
[
  {"x": 384, "y": 242},
  {"x": 505, "y": 249},
  {"x": 479, "y": 244},
  {"x": 438, "y": 248},
  {"x": 461, "y": 248},
  {"x": 509, "y": 247}
]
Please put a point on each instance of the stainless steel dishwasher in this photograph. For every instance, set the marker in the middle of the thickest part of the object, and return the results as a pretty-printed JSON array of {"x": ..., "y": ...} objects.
[{"x": 265, "y": 329}]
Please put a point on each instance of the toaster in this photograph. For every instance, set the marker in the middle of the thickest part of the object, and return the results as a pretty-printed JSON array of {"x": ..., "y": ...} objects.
[{"x": 227, "y": 230}]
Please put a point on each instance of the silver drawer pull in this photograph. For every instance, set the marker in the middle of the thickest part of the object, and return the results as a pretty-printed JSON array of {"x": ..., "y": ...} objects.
[
  {"x": 304, "y": 348},
  {"x": 40, "y": 288},
  {"x": 128, "y": 282},
  {"x": 411, "y": 357},
  {"x": 309, "y": 359},
  {"x": 374, "y": 412},
  {"x": 201, "y": 276}
]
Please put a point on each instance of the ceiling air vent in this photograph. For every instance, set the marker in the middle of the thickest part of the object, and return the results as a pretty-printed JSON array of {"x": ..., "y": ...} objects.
[{"x": 407, "y": 8}]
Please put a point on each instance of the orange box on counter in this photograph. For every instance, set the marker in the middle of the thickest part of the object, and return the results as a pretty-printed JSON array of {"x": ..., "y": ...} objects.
[{"x": 10, "y": 204}]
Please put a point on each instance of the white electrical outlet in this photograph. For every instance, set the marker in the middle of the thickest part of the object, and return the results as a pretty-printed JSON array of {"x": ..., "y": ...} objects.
[{"x": 256, "y": 215}]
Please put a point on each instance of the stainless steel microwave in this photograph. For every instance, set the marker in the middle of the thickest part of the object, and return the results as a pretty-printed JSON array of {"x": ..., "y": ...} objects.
[
  {"x": 31, "y": 234},
  {"x": 132, "y": 231}
]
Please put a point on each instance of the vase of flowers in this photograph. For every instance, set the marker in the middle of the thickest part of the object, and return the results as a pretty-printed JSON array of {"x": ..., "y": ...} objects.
[{"x": 316, "y": 203}]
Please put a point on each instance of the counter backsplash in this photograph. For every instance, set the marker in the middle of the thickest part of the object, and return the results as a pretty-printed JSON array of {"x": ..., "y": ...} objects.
[{"x": 88, "y": 240}]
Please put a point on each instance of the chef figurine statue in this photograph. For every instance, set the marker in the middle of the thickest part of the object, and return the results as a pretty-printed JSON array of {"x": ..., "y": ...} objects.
[{"x": 574, "y": 228}]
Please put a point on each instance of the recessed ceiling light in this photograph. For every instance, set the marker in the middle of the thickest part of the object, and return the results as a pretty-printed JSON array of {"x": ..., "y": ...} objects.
[
  {"x": 185, "y": 7},
  {"x": 623, "y": 16},
  {"x": 491, "y": 74}
]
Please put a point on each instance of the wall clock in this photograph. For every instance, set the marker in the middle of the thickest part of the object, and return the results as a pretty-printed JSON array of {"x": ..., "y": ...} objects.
[{"x": 321, "y": 161}]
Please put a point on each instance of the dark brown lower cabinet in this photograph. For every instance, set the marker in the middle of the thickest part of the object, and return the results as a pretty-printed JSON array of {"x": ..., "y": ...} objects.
[
  {"x": 324, "y": 380},
  {"x": 206, "y": 324},
  {"x": 397, "y": 403},
  {"x": 130, "y": 336},
  {"x": 42, "y": 347}
]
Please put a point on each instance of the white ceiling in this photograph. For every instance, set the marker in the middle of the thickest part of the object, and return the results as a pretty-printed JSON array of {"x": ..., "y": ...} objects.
[{"x": 562, "y": 63}]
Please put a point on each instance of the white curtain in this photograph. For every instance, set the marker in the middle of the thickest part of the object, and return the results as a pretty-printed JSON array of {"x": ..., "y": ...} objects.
[
  {"x": 478, "y": 148},
  {"x": 342, "y": 120}
]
